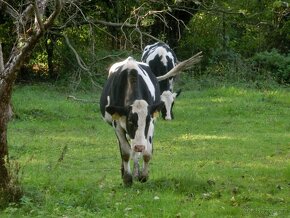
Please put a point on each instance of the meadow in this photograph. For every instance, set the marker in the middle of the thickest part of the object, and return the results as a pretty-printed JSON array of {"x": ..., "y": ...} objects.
[{"x": 226, "y": 154}]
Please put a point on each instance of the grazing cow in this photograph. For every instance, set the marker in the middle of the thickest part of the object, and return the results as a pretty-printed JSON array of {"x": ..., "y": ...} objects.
[
  {"x": 129, "y": 102},
  {"x": 161, "y": 59}
]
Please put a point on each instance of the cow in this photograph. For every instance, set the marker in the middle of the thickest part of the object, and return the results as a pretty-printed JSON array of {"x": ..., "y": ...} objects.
[
  {"x": 129, "y": 102},
  {"x": 161, "y": 59}
]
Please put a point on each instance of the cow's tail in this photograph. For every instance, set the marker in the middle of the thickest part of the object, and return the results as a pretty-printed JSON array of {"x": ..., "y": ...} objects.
[{"x": 182, "y": 66}]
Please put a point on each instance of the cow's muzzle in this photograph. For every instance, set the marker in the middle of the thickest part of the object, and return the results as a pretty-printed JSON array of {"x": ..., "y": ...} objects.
[{"x": 139, "y": 148}]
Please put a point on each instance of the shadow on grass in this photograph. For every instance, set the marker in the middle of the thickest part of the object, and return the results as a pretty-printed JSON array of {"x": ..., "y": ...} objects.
[{"x": 180, "y": 184}]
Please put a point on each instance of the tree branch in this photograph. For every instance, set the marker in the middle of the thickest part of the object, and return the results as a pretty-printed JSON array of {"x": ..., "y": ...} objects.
[
  {"x": 55, "y": 13},
  {"x": 1, "y": 60},
  {"x": 38, "y": 16},
  {"x": 11, "y": 11},
  {"x": 182, "y": 66},
  {"x": 19, "y": 53},
  {"x": 79, "y": 59}
]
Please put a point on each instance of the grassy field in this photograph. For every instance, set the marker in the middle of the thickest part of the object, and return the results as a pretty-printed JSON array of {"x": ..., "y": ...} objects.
[{"x": 227, "y": 154}]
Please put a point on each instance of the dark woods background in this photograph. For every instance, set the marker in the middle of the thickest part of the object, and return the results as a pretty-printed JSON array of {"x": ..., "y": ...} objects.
[{"x": 245, "y": 41}]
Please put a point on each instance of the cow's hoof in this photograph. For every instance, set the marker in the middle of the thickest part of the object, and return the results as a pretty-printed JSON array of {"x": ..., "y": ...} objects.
[
  {"x": 143, "y": 178},
  {"x": 136, "y": 175},
  {"x": 127, "y": 179}
]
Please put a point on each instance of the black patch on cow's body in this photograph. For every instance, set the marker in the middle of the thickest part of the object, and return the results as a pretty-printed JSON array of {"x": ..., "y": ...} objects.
[{"x": 150, "y": 139}]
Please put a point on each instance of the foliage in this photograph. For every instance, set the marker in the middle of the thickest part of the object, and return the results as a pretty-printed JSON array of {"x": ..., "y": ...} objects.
[
  {"x": 203, "y": 35},
  {"x": 225, "y": 29},
  {"x": 237, "y": 27},
  {"x": 228, "y": 160},
  {"x": 274, "y": 62}
]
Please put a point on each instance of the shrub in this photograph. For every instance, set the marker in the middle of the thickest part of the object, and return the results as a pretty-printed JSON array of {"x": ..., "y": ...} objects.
[{"x": 275, "y": 63}]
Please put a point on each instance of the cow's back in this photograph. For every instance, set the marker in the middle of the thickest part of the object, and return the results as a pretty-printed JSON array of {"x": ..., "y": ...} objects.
[
  {"x": 161, "y": 59},
  {"x": 130, "y": 81}
]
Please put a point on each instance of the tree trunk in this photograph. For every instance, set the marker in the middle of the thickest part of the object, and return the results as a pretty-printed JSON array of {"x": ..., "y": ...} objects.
[
  {"x": 8, "y": 74},
  {"x": 4, "y": 177},
  {"x": 5, "y": 97}
]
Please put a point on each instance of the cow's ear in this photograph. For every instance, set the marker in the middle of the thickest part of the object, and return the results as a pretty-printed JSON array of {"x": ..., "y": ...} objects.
[
  {"x": 156, "y": 108},
  {"x": 176, "y": 94},
  {"x": 116, "y": 112}
]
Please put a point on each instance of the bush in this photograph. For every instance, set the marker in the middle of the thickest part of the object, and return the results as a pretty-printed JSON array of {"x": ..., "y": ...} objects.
[
  {"x": 275, "y": 63},
  {"x": 227, "y": 68}
]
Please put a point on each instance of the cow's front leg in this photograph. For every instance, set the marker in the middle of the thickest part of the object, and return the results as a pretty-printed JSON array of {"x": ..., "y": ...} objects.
[
  {"x": 147, "y": 154},
  {"x": 143, "y": 177},
  {"x": 125, "y": 150},
  {"x": 136, "y": 170}
]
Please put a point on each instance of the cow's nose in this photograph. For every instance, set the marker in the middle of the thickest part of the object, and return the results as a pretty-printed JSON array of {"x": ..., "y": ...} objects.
[{"x": 139, "y": 148}]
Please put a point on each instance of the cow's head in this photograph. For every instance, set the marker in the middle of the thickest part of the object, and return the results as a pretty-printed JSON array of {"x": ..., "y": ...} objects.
[
  {"x": 136, "y": 118},
  {"x": 168, "y": 98}
]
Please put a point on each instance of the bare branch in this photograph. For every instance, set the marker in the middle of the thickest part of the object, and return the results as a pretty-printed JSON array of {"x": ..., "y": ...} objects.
[
  {"x": 39, "y": 9},
  {"x": 106, "y": 23},
  {"x": 182, "y": 66},
  {"x": 55, "y": 13},
  {"x": 79, "y": 59},
  {"x": 38, "y": 16},
  {"x": 1, "y": 60},
  {"x": 23, "y": 20},
  {"x": 71, "y": 97},
  {"x": 11, "y": 11},
  {"x": 24, "y": 50}
]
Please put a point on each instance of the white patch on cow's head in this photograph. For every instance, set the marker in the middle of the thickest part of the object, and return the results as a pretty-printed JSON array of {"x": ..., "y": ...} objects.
[
  {"x": 168, "y": 98},
  {"x": 140, "y": 107}
]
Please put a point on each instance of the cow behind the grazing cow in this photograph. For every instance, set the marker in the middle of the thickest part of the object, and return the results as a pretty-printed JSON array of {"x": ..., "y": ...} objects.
[
  {"x": 129, "y": 102},
  {"x": 161, "y": 59}
]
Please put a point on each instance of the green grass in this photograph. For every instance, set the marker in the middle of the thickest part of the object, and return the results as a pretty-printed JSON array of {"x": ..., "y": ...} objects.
[{"x": 227, "y": 154}]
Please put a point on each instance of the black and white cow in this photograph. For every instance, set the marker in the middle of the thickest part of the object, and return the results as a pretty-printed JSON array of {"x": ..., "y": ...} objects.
[
  {"x": 161, "y": 59},
  {"x": 129, "y": 102}
]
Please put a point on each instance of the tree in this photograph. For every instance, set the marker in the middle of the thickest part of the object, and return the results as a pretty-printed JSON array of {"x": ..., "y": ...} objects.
[
  {"x": 32, "y": 20},
  {"x": 30, "y": 25}
]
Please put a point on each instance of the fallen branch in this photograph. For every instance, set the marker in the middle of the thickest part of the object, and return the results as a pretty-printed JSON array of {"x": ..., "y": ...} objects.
[
  {"x": 184, "y": 65},
  {"x": 71, "y": 97}
]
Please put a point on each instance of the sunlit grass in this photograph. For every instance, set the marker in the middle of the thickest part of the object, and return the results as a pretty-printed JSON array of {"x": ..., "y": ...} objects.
[{"x": 226, "y": 154}]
